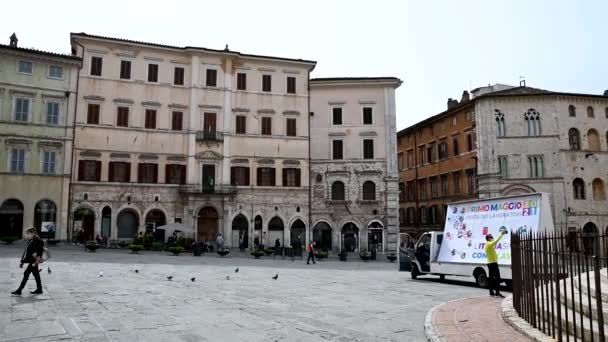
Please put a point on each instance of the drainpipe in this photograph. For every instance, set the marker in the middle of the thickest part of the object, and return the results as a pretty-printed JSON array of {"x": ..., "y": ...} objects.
[
  {"x": 309, "y": 168},
  {"x": 73, "y": 157}
]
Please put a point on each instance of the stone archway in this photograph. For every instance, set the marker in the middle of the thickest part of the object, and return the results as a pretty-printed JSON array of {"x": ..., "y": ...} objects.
[
  {"x": 45, "y": 218},
  {"x": 240, "y": 230},
  {"x": 106, "y": 222},
  {"x": 276, "y": 230},
  {"x": 155, "y": 218},
  {"x": 207, "y": 226},
  {"x": 591, "y": 242},
  {"x": 128, "y": 224},
  {"x": 11, "y": 218},
  {"x": 84, "y": 224},
  {"x": 375, "y": 240},
  {"x": 321, "y": 236},
  {"x": 297, "y": 234},
  {"x": 350, "y": 237}
]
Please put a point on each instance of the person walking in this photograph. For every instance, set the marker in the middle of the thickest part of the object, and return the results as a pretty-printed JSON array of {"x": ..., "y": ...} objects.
[
  {"x": 32, "y": 256},
  {"x": 220, "y": 242},
  {"x": 494, "y": 272},
  {"x": 311, "y": 253}
]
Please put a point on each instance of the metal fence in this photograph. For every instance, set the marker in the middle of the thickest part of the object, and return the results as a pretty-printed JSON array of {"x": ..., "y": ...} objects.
[{"x": 557, "y": 283}]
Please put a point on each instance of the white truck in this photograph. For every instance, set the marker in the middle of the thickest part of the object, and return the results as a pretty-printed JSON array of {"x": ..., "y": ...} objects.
[{"x": 459, "y": 249}]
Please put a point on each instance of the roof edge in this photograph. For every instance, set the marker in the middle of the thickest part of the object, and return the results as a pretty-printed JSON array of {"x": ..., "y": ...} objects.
[{"x": 329, "y": 81}]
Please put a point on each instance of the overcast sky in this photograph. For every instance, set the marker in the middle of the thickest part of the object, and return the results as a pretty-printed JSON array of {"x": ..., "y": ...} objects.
[{"x": 438, "y": 48}]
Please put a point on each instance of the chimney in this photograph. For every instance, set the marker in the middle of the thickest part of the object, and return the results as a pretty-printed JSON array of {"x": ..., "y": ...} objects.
[
  {"x": 452, "y": 102},
  {"x": 465, "y": 96},
  {"x": 14, "y": 40}
]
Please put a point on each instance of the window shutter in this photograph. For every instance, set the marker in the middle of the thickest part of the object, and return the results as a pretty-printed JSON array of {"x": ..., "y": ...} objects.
[
  {"x": 98, "y": 171},
  {"x": 298, "y": 177},
  {"x": 155, "y": 168},
  {"x": 168, "y": 169},
  {"x": 246, "y": 169},
  {"x": 81, "y": 170},
  {"x": 233, "y": 177},
  {"x": 274, "y": 177},
  {"x": 285, "y": 177},
  {"x": 111, "y": 172},
  {"x": 182, "y": 169},
  {"x": 259, "y": 176},
  {"x": 140, "y": 173}
]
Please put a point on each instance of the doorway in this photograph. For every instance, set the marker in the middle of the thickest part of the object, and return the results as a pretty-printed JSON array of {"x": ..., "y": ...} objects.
[
  {"x": 208, "y": 178},
  {"x": 207, "y": 224}
]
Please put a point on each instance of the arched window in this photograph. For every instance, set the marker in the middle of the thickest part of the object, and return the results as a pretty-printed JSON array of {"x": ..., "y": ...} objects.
[
  {"x": 337, "y": 191},
  {"x": 590, "y": 112},
  {"x": 571, "y": 110},
  {"x": 433, "y": 214},
  {"x": 593, "y": 139},
  {"x": 532, "y": 119},
  {"x": 536, "y": 166},
  {"x": 598, "y": 190},
  {"x": 574, "y": 138},
  {"x": 369, "y": 191},
  {"x": 423, "y": 215},
  {"x": 578, "y": 188},
  {"x": 45, "y": 216},
  {"x": 401, "y": 216},
  {"x": 500, "y": 123},
  {"x": 590, "y": 239},
  {"x": 411, "y": 215}
]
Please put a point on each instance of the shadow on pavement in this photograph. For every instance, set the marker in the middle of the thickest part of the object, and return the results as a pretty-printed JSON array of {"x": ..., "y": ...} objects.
[{"x": 464, "y": 282}]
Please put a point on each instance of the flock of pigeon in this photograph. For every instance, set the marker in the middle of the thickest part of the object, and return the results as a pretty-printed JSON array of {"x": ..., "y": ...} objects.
[{"x": 193, "y": 279}]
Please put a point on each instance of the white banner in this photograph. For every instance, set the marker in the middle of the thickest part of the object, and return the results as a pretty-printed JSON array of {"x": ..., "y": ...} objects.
[{"x": 467, "y": 225}]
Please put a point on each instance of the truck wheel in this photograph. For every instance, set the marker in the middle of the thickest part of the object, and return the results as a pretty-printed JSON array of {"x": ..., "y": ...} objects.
[
  {"x": 442, "y": 277},
  {"x": 481, "y": 278},
  {"x": 415, "y": 273}
]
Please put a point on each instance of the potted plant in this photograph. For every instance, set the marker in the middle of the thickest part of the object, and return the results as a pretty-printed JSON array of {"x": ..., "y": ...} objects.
[
  {"x": 268, "y": 251},
  {"x": 9, "y": 239},
  {"x": 123, "y": 243},
  {"x": 321, "y": 254},
  {"x": 391, "y": 257},
  {"x": 257, "y": 253},
  {"x": 91, "y": 246},
  {"x": 343, "y": 255},
  {"x": 364, "y": 255},
  {"x": 176, "y": 250},
  {"x": 223, "y": 252},
  {"x": 135, "y": 248}
]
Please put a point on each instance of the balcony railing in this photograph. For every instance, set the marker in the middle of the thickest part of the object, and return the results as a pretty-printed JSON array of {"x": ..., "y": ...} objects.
[
  {"x": 220, "y": 189},
  {"x": 209, "y": 136}
]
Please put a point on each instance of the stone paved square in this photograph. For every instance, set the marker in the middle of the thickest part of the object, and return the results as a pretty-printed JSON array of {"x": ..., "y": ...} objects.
[{"x": 329, "y": 301}]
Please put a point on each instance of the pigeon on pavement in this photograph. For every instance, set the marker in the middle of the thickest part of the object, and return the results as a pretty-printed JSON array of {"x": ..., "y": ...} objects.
[
  {"x": 49, "y": 270},
  {"x": 227, "y": 277},
  {"x": 276, "y": 277},
  {"x": 101, "y": 273},
  {"x": 136, "y": 270},
  {"x": 192, "y": 279},
  {"x": 237, "y": 270},
  {"x": 169, "y": 277}
]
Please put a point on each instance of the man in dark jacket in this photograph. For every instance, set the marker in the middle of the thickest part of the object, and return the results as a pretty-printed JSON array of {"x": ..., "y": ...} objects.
[{"x": 32, "y": 256}]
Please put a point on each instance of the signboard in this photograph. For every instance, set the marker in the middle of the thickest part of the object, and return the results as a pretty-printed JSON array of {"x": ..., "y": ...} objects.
[
  {"x": 468, "y": 223},
  {"x": 47, "y": 227}
]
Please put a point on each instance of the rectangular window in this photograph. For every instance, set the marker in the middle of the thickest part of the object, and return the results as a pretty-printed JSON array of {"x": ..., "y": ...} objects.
[
  {"x": 122, "y": 119},
  {"x": 368, "y": 149},
  {"x": 400, "y": 161},
  {"x": 147, "y": 173},
  {"x": 291, "y": 127},
  {"x": 266, "y": 83},
  {"x": 18, "y": 160},
  {"x": 178, "y": 76},
  {"x": 209, "y": 122},
  {"x": 443, "y": 149},
  {"x": 291, "y": 85},
  {"x": 431, "y": 153},
  {"x": 266, "y": 176},
  {"x": 502, "y": 166},
  {"x": 52, "y": 113},
  {"x": 291, "y": 177},
  {"x": 153, "y": 73},
  {"x": 23, "y": 106},
  {"x": 455, "y": 145},
  {"x": 93, "y": 113},
  {"x": 120, "y": 172},
  {"x": 410, "y": 159},
  {"x": 211, "y": 80},
  {"x": 422, "y": 189},
  {"x": 401, "y": 192},
  {"x": 410, "y": 191},
  {"x": 471, "y": 181},
  {"x": 420, "y": 155},
  {"x": 337, "y": 116},
  {"x": 239, "y": 176},
  {"x": 241, "y": 124},
  {"x": 241, "y": 81},
  {"x": 336, "y": 149},
  {"x": 444, "y": 185},
  {"x": 434, "y": 187},
  {"x": 25, "y": 67},
  {"x": 96, "y": 63},
  {"x": 48, "y": 162},
  {"x": 266, "y": 125},
  {"x": 150, "y": 119},
  {"x": 125, "y": 70},
  {"x": 454, "y": 119},
  {"x": 367, "y": 115},
  {"x": 177, "y": 120},
  {"x": 456, "y": 181},
  {"x": 89, "y": 170},
  {"x": 55, "y": 71},
  {"x": 175, "y": 174},
  {"x": 535, "y": 164},
  {"x": 469, "y": 142}
]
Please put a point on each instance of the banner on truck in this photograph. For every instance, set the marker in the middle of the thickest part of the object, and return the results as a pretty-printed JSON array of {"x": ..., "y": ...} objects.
[{"x": 467, "y": 224}]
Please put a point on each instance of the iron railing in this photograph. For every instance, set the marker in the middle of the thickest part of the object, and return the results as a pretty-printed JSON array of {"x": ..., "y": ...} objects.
[
  {"x": 557, "y": 283},
  {"x": 209, "y": 136},
  {"x": 225, "y": 189}
]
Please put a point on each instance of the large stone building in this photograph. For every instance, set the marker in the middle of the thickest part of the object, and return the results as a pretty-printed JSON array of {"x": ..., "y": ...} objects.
[
  {"x": 534, "y": 140},
  {"x": 354, "y": 191},
  {"x": 204, "y": 141},
  {"x": 437, "y": 161},
  {"x": 37, "y": 97}
]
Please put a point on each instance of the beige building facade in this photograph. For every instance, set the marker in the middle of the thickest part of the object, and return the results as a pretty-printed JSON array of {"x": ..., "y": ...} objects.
[
  {"x": 203, "y": 141},
  {"x": 37, "y": 97},
  {"x": 354, "y": 179}
]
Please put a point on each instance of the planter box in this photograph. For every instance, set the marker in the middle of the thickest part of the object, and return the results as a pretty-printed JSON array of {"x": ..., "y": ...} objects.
[
  {"x": 365, "y": 257},
  {"x": 224, "y": 252},
  {"x": 91, "y": 248}
]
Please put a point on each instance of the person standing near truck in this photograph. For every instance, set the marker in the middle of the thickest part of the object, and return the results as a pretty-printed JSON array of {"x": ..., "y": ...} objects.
[{"x": 494, "y": 272}]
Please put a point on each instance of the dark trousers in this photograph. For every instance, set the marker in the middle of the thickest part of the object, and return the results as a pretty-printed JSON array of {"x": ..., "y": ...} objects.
[
  {"x": 311, "y": 256},
  {"x": 494, "y": 278},
  {"x": 31, "y": 268}
]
